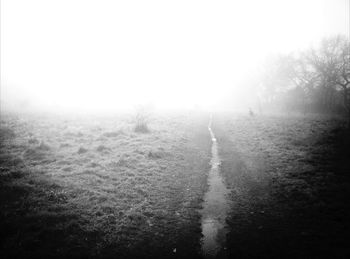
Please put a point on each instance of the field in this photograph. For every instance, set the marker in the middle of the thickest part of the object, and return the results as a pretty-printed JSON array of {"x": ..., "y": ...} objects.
[
  {"x": 91, "y": 187},
  {"x": 290, "y": 185}
]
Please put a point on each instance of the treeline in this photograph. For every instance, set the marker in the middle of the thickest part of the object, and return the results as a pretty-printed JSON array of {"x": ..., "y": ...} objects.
[{"x": 315, "y": 80}]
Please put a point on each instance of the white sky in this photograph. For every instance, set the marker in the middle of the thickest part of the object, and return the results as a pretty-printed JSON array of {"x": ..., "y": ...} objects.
[{"x": 99, "y": 55}]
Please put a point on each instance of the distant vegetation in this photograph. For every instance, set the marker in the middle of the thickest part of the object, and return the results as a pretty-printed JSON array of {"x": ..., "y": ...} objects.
[
  {"x": 315, "y": 80},
  {"x": 142, "y": 117}
]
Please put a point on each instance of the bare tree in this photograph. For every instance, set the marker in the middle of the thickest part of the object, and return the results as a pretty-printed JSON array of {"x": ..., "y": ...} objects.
[
  {"x": 318, "y": 78},
  {"x": 342, "y": 77},
  {"x": 332, "y": 64}
]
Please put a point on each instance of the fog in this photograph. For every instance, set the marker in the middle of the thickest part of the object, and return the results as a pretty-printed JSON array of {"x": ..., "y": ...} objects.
[{"x": 115, "y": 55}]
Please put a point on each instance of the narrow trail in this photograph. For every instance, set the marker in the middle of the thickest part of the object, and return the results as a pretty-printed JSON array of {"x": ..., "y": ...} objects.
[{"x": 215, "y": 207}]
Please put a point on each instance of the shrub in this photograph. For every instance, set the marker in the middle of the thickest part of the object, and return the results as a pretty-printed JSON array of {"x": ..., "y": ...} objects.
[
  {"x": 141, "y": 119},
  {"x": 141, "y": 127}
]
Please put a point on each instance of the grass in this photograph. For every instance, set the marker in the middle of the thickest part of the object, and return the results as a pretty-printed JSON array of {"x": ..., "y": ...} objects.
[
  {"x": 290, "y": 185},
  {"x": 91, "y": 187}
]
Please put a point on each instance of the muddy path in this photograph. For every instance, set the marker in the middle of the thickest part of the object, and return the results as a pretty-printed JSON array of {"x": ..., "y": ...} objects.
[
  {"x": 251, "y": 209},
  {"x": 215, "y": 206}
]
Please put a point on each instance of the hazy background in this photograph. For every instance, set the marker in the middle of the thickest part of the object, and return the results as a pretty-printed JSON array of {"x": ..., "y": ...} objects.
[{"x": 113, "y": 55}]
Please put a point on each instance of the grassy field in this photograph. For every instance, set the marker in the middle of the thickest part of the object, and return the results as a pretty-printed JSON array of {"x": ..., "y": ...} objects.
[
  {"x": 290, "y": 185},
  {"x": 89, "y": 186},
  {"x": 92, "y": 187}
]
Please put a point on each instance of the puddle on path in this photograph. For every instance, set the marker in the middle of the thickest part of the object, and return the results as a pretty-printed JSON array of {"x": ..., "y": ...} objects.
[{"x": 215, "y": 207}]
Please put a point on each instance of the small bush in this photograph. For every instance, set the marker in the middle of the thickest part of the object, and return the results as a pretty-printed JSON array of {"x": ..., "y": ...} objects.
[
  {"x": 141, "y": 128},
  {"x": 142, "y": 119}
]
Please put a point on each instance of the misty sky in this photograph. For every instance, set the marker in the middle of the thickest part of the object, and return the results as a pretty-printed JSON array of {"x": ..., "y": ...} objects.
[{"x": 99, "y": 55}]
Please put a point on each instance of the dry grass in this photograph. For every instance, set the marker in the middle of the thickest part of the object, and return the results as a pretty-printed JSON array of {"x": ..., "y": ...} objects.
[
  {"x": 92, "y": 187},
  {"x": 290, "y": 185}
]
